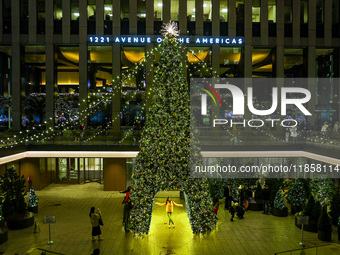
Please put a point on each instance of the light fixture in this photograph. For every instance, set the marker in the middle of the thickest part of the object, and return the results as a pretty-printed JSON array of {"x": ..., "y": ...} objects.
[
  {"x": 107, "y": 8},
  {"x": 76, "y": 14},
  {"x": 160, "y": 4},
  {"x": 194, "y": 9},
  {"x": 205, "y": 5},
  {"x": 143, "y": 14},
  {"x": 224, "y": 10}
]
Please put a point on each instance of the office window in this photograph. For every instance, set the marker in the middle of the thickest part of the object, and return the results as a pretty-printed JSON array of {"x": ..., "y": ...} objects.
[
  {"x": 303, "y": 11},
  {"x": 91, "y": 9},
  {"x": 58, "y": 10},
  {"x": 174, "y": 11},
  {"x": 23, "y": 16},
  {"x": 288, "y": 11},
  {"x": 272, "y": 11},
  {"x": 262, "y": 61},
  {"x": 230, "y": 59},
  {"x": 293, "y": 63},
  {"x": 41, "y": 16},
  {"x": 256, "y": 11},
  {"x": 224, "y": 10},
  {"x": 239, "y": 11},
  {"x": 335, "y": 11},
  {"x": 124, "y": 10},
  {"x": 74, "y": 9},
  {"x": 141, "y": 10},
  {"x": 199, "y": 62},
  {"x": 319, "y": 11},
  {"x": 207, "y": 10},
  {"x": 5, "y": 87},
  {"x": 191, "y": 10},
  {"x": 108, "y": 12},
  {"x": 7, "y": 16},
  {"x": 158, "y": 10}
]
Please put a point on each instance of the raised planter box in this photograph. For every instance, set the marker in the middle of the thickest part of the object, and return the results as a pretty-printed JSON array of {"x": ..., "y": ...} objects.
[
  {"x": 3, "y": 234},
  {"x": 311, "y": 227},
  {"x": 325, "y": 235},
  {"x": 258, "y": 206},
  {"x": 33, "y": 209},
  {"x": 280, "y": 213},
  {"x": 21, "y": 220}
]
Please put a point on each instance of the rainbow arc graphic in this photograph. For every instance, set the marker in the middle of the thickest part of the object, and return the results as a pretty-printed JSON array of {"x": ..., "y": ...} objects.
[{"x": 209, "y": 90}]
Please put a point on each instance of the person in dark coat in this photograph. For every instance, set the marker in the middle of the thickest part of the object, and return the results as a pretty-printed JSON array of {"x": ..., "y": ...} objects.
[
  {"x": 266, "y": 198},
  {"x": 227, "y": 197},
  {"x": 126, "y": 213},
  {"x": 240, "y": 212},
  {"x": 232, "y": 210},
  {"x": 127, "y": 191}
]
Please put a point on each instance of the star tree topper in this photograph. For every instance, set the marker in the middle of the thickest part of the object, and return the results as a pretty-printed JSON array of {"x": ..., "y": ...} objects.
[{"x": 170, "y": 29}]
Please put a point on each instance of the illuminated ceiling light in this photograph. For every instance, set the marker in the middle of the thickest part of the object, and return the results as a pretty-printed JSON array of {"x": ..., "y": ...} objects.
[
  {"x": 160, "y": 4},
  {"x": 194, "y": 9},
  {"x": 76, "y": 14},
  {"x": 107, "y": 8},
  {"x": 143, "y": 14},
  {"x": 224, "y": 10},
  {"x": 205, "y": 5}
]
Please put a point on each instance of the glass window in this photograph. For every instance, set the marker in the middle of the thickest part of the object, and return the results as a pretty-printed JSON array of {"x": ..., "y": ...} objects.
[
  {"x": 108, "y": 13},
  {"x": 335, "y": 11},
  {"x": 7, "y": 14},
  {"x": 58, "y": 10},
  {"x": 272, "y": 11},
  {"x": 304, "y": 11},
  {"x": 288, "y": 11},
  {"x": 158, "y": 9},
  {"x": 319, "y": 11},
  {"x": 141, "y": 10},
  {"x": 239, "y": 11},
  {"x": 41, "y": 10},
  {"x": 199, "y": 62},
  {"x": 293, "y": 63},
  {"x": 191, "y": 10},
  {"x": 174, "y": 10},
  {"x": 230, "y": 59},
  {"x": 33, "y": 81},
  {"x": 262, "y": 61},
  {"x": 91, "y": 9},
  {"x": 24, "y": 9},
  {"x": 67, "y": 99},
  {"x": 74, "y": 9},
  {"x": 224, "y": 10},
  {"x": 207, "y": 10},
  {"x": 5, "y": 87},
  {"x": 256, "y": 11},
  {"x": 124, "y": 9}
]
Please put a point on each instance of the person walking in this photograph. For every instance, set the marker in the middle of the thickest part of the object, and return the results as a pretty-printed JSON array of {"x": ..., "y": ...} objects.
[
  {"x": 227, "y": 197},
  {"x": 94, "y": 218},
  {"x": 232, "y": 210},
  {"x": 169, "y": 208},
  {"x": 266, "y": 198},
  {"x": 126, "y": 214},
  {"x": 127, "y": 191},
  {"x": 216, "y": 206}
]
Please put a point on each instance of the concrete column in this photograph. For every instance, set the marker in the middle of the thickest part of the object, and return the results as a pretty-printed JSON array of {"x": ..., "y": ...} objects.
[
  {"x": 183, "y": 17},
  {"x": 116, "y": 17},
  {"x": 66, "y": 22},
  {"x": 32, "y": 21},
  {"x": 215, "y": 60},
  {"x": 296, "y": 22},
  {"x": 232, "y": 18},
  {"x": 149, "y": 17},
  {"x": 132, "y": 17},
  {"x": 100, "y": 17},
  {"x": 15, "y": 20},
  {"x": 83, "y": 88},
  {"x": 280, "y": 22},
  {"x": 311, "y": 22},
  {"x": 116, "y": 98},
  {"x": 166, "y": 11},
  {"x": 279, "y": 61},
  {"x": 248, "y": 24},
  {"x": 114, "y": 174},
  {"x": 311, "y": 56},
  {"x": 199, "y": 17},
  {"x": 328, "y": 22},
  {"x": 16, "y": 85},
  {"x": 51, "y": 84},
  {"x": 1, "y": 20},
  {"x": 264, "y": 22},
  {"x": 215, "y": 17},
  {"x": 49, "y": 21},
  {"x": 248, "y": 49},
  {"x": 149, "y": 67}
]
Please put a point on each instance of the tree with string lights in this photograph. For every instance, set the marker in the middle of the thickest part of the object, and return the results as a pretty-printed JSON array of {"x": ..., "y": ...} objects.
[{"x": 163, "y": 161}]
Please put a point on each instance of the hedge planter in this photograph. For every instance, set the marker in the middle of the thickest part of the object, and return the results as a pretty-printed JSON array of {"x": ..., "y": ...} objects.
[
  {"x": 325, "y": 235},
  {"x": 20, "y": 220},
  {"x": 33, "y": 209},
  {"x": 280, "y": 213},
  {"x": 311, "y": 227},
  {"x": 295, "y": 209},
  {"x": 257, "y": 206}
]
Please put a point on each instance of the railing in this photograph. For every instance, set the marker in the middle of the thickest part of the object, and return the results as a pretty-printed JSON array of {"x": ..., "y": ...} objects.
[{"x": 329, "y": 249}]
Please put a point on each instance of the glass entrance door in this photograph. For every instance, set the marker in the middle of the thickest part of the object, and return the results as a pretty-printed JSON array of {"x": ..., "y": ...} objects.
[{"x": 68, "y": 170}]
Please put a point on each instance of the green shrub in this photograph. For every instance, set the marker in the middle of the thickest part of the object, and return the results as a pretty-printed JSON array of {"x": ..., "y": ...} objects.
[
  {"x": 324, "y": 222},
  {"x": 335, "y": 209},
  {"x": 309, "y": 206},
  {"x": 258, "y": 192},
  {"x": 316, "y": 211}
]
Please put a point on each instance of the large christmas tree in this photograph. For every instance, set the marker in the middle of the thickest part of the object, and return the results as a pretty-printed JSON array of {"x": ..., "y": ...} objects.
[{"x": 163, "y": 162}]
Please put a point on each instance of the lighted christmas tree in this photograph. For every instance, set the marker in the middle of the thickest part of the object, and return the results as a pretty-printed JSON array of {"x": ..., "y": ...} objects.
[
  {"x": 296, "y": 194},
  {"x": 323, "y": 190},
  {"x": 32, "y": 199},
  {"x": 279, "y": 202},
  {"x": 163, "y": 161}
]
